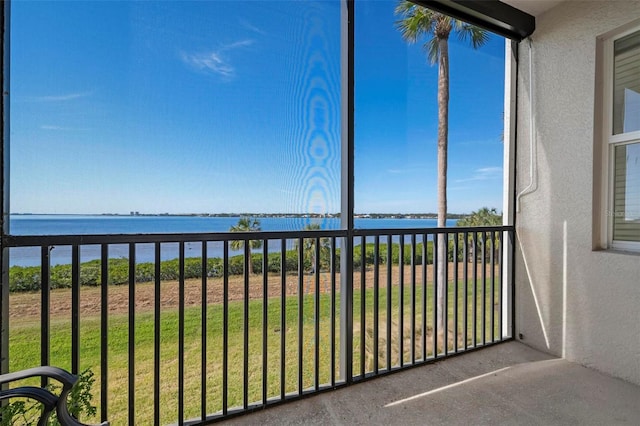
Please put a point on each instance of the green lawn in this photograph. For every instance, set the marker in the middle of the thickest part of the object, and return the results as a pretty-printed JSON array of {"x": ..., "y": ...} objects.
[{"x": 25, "y": 348}]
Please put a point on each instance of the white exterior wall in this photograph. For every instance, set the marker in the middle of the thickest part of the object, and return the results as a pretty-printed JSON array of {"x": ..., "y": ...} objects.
[{"x": 571, "y": 300}]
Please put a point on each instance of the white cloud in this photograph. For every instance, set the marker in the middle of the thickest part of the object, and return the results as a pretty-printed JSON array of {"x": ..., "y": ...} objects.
[
  {"x": 215, "y": 62},
  {"x": 60, "y": 98},
  {"x": 484, "y": 173},
  {"x": 58, "y": 128},
  {"x": 231, "y": 46},
  {"x": 249, "y": 26},
  {"x": 211, "y": 62}
]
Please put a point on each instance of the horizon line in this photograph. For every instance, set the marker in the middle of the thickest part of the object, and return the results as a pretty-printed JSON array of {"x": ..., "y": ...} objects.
[{"x": 233, "y": 214}]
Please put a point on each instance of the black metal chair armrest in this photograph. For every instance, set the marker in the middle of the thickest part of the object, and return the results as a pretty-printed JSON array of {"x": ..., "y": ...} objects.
[
  {"x": 48, "y": 399},
  {"x": 55, "y": 373}
]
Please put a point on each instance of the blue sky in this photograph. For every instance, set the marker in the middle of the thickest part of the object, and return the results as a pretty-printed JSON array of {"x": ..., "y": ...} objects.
[{"x": 227, "y": 106}]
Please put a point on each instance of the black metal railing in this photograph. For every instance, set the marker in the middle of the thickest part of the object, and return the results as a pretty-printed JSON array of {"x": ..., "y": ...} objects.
[{"x": 197, "y": 327}]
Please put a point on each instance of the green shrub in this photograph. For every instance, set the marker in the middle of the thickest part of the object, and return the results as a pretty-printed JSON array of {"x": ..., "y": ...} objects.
[
  {"x": 383, "y": 255},
  {"x": 236, "y": 265},
  {"x": 27, "y": 278},
  {"x": 274, "y": 262},
  {"x": 215, "y": 268},
  {"x": 192, "y": 267},
  {"x": 90, "y": 274},
  {"x": 24, "y": 278},
  {"x": 60, "y": 276}
]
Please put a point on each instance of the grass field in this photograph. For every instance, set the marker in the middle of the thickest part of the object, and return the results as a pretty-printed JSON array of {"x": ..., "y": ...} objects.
[{"x": 25, "y": 343}]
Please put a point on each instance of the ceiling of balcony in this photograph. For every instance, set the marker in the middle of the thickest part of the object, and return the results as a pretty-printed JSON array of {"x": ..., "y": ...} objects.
[{"x": 533, "y": 7}]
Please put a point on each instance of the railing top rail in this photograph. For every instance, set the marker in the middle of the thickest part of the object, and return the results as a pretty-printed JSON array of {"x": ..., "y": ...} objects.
[
  {"x": 79, "y": 239},
  {"x": 445, "y": 230}
]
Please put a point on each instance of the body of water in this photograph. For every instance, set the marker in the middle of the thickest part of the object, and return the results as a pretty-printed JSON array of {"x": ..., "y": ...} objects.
[{"x": 84, "y": 225}]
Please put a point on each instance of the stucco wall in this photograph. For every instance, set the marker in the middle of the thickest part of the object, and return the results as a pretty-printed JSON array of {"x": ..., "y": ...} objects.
[{"x": 572, "y": 301}]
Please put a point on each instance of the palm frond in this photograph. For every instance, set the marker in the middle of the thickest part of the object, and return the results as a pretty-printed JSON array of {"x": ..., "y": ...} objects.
[
  {"x": 467, "y": 32},
  {"x": 417, "y": 22},
  {"x": 245, "y": 224},
  {"x": 432, "y": 47}
]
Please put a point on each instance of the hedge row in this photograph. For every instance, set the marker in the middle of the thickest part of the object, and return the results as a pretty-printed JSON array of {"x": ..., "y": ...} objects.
[{"x": 27, "y": 278}]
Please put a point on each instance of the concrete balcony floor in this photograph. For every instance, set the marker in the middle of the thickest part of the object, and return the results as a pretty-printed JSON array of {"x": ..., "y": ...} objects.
[{"x": 509, "y": 384}]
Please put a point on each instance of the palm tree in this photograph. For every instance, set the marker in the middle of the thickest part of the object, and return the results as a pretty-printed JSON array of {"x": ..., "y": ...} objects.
[
  {"x": 418, "y": 22},
  {"x": 482, "y": 217},
  {"x": 246, "y": 224},
  {"x": 309, "y": 249}
]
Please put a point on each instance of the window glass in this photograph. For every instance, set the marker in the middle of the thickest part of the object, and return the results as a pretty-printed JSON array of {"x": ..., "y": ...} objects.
[
  {"x": 175, "y": 108},
  {"x": 626, "y": 94},
  {"x": 396, "y": 119},
  {"x": 626, "y": 197}
]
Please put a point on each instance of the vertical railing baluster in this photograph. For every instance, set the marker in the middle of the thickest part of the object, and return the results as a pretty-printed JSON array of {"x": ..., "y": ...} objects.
[
  {"x": 333, "y": 311},
  {"x": 423, "y": 334},
  {"x": 104, "y": 328},
  {"x": 316, "y": 320},
  {"x": 203, "y": 342},
  {"x": 484, "y": 288},
  {"x": 500, "y": 282},
  {"x": 132, "y": 332},
  {"x": 436, "y": 237},
  {"x": 465, "y": 278},
  {"x": 445, "y": 290},
  {"x": 45, "y": 290},
  {"x": 75, "y": 309},
  {"x": 363, "y": 304},
  {"x": 248, "y": 267},
  {"x": 493, "y": 283},
  {"x": 376, "y": 301},
  {"x": 389, "y": 294},
  {"x": 456, "y": 236},
  {"x": 512, "y": 284},
  {"x": 265, "y": 317},
  {"x": 283, "y": 316},
  {"x": 225, "y": 328},
  {"x": 474, "y": 294},
  {"x": 156, "y": 335},
  {"x": 181, "y": 293},
  {"x": 413, "y": 299},
  {"x": 300, "y": 313},
  {"x": 401, "y": 302}
]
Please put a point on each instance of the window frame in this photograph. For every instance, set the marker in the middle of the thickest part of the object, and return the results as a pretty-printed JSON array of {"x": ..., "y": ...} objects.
[{"x": 611, "y": 141}]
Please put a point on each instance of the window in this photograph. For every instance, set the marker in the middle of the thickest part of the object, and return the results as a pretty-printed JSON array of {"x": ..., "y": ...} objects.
[{"x": 622, "y": 81}]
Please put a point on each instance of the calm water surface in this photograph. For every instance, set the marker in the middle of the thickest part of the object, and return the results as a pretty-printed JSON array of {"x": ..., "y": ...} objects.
[{"x": 71, "y": 224}]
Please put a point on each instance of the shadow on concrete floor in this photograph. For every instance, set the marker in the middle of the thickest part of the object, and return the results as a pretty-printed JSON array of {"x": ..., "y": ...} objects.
[{"x": 509, "y": 384}]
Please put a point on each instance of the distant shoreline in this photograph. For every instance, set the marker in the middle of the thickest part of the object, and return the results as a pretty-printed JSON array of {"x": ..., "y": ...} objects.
[{"x": 259, "y": 215}]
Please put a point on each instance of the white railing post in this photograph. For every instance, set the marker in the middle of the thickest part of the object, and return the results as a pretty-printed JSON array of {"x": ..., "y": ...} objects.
[
  {"x": 347, "y": 198},
  {"x": 508, "y": 210}
]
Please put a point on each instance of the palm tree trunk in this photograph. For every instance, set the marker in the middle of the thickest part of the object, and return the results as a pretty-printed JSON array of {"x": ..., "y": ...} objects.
[{"x": 443, "y": 135}]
